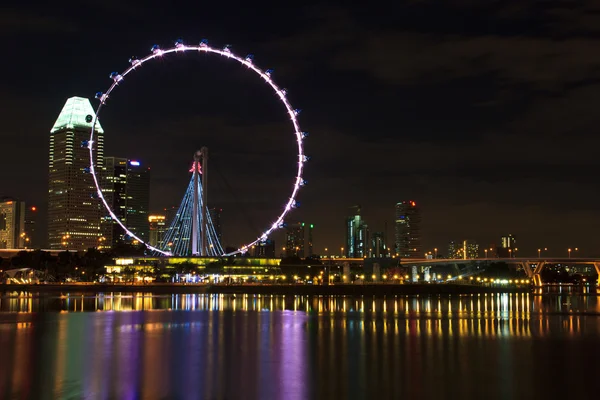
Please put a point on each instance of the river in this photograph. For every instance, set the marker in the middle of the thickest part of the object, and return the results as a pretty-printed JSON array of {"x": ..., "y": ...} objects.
[{"x": 186, "y": 346}]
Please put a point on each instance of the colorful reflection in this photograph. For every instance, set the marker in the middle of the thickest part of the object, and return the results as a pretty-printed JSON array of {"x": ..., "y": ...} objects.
[
  {"x": 506, "y": 305},
  {"x": 270, "y": 347}
]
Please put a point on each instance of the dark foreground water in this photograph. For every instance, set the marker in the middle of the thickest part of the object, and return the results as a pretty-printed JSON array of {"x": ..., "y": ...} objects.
[{"x": 139, "y": 346}]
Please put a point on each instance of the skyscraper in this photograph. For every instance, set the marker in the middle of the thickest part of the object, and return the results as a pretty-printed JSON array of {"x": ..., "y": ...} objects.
[
  {"x": 31, "y": 223},
  {"x": 310, "y": 239},
  {"x": 126, "y": 188},
  {"x": 408, "y": 230},
  {"x": 265, "y": 249},
  {"x": 157, "y": 230},
  {"x": 294, "y": 240},
  {"x": 73, "y": 208},
  {"x": 507, "y": 246},
  {"x": 215, "y": 216},
  {"x": 357, "y": 235},
  {"x": 378, "y": 246},
  {"x": 12, "y": 224}
]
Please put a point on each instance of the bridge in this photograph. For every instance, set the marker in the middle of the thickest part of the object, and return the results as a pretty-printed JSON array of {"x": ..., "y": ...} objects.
[{"x": 532, "y": 266}]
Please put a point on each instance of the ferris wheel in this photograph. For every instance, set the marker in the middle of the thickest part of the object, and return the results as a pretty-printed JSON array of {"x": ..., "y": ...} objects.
[{"x": 247, "y": 61}]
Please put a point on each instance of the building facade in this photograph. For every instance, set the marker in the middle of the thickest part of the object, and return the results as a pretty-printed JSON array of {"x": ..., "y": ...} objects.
[
  {"x": 408, "y": 230},
  {"x": 126, "y": 188},
  {"x": 265, "y": 249},
  {"x": 215, "y": 216},
  {"x": 508, "y": 245},
  {"x": 357, "y": 235},
  {"x": 157, "y": 225},
  {"x": 294, "y": 240},
  {"x": 74, "y": 211},
  {"x": 378, "y": 247},
  {"x": 12, "y": 224}
]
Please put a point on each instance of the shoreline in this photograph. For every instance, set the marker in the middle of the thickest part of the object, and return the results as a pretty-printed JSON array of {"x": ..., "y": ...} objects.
[{"x": 269, "y": 289}]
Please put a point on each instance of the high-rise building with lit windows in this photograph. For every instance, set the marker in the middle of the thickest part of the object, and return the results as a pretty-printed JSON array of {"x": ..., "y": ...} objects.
[
  {"x": 357, "y": 235},
  {"x": 294, "y": 240},
  {"x": 73, "y": 207},
  {"x": 408, "y": 230},
  {"x": 12, "y": 224},
  {"x": 215, "y": 216},
  {"x": 126, "y": 188},
  {"x": 157, "y": 230}
]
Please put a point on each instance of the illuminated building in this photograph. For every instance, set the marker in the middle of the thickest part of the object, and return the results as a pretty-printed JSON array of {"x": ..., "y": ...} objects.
[
  {"x": 310, "y": 239},
  {"x": 507, "y": 246},
  {"x": 157, "y": 230},
  {"x": 12, "y": 224},
  {"x": 73, "y": 207},
  {"x": 408, "y": 230},
  {"x": 265, "y": 249},
  {"x": 470, "y": 249},
  {"x": 126, "y": 188},
  {"x": 31, "y": 223},
  {"x": 455, "y": 250},
  {"x": 215, "y": 216},
  {"x": 357, "y": 235},
  {"x": 378, "y": 247},
  {"x": 294, "y": 240},
  {"x": 465, "y": 250}
]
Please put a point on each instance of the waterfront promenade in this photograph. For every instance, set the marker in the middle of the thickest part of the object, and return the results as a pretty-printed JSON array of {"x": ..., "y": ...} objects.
[{"x": 275, "y": 289}]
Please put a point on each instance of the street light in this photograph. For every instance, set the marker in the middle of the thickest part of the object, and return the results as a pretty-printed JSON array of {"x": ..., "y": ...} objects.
[
  {"x": 435, "y": 250},
  {"x": 485, "y": 251},
  {"x": 569, "y": 251}
]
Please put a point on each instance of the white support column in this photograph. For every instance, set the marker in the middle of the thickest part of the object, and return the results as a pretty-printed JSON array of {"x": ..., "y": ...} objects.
[
  {"x": 204, "y": 232},
  {"x": 195, "y": 227}
]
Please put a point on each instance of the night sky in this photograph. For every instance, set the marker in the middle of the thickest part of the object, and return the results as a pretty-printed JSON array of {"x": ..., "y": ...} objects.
[{"x": 483, "y": 112}]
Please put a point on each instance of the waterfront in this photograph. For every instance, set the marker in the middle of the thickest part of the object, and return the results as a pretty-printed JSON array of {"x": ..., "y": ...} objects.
[{"x": 139, "y": 345}]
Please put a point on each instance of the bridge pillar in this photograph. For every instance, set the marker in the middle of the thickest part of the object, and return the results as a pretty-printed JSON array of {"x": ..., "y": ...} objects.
[
  {"x": 537, "y": 278},
  {"x": 527, "y": 268},
  {"x": 597, "y": 266}
]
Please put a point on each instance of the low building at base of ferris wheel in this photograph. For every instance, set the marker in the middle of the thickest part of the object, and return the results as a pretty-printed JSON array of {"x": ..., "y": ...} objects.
[{"x": 183, "y": 269}]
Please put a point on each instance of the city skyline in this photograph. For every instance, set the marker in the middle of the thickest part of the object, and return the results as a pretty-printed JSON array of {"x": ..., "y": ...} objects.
[{"x": 463, "y": 140}]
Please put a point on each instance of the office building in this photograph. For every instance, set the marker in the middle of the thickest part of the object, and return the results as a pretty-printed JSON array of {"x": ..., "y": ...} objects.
[
  {"x": 215, "y": 217},
  {"x": 12, "y": 224},
  {"x": 126, "y": 188},
  {"x": 470, "y": 249},
  {"x": 408, "y": 230},
  {"x": 265, "y": 249},
  {"x": 73, "y": 208},
  {"x": 508, "y": 245},
  {"x": 378, "y": 247},
  {"x": 294, "y": 240},
  {"x": 311, "y": 227},
  {"x": 455, "y": 250},
  {"x": 32, "y": 240},
  {"x": 157, "y": 225},
  {"x": 357, "y": 235}
]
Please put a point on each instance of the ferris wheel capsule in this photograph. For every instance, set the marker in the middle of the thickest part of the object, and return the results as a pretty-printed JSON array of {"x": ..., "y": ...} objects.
[
  {"x": 134, "y": 61},
  {"x": 179, "y": 43},
  {"x": 227, "y": 48},
  {"x": 156, "y": 49},
  {"x": 269, "y": 72},
  {"x": 249, "y": 58},
  {"x": 204, "y": 43},
  {"x": 115, "y": 76},
  {"x": 303, "y": 135},
  {"x": 297, "y": 111}
]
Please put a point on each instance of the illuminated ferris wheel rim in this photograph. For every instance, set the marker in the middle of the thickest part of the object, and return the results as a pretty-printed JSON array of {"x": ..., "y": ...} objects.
[{"x": 203, "y": 47}]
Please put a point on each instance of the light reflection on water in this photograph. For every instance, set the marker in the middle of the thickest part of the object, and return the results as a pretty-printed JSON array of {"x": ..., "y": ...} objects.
[
  {"x": 503, "y": 305},
  {"x": 294, "y": 347}
]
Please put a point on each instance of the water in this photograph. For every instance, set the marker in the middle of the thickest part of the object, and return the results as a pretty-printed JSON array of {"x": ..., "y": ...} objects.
[{"x": 140, "y": 346}]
